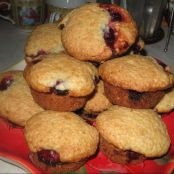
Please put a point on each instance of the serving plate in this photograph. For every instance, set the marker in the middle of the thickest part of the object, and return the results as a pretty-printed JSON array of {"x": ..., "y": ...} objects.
[{"x": 13, "y": 148}]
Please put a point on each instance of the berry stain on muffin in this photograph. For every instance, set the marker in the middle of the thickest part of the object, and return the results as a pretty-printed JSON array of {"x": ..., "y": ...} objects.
[
  {"x": 6, "y": 82},
  {"x": 96, "y": 80},
  {"x": 134, "y": 95},
  {"x": 40, "y": 53},
  {"x": 111, "y": 34},
  {"x": 49, "y": 157},
  {"x": 38, "y": 57},
  {"x": 116, "y": 15},
  {"x": 56, "y": 89}
]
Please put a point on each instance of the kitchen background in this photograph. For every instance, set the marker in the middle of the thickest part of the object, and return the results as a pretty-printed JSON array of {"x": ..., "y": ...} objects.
[{"x": 19, "y": 17}]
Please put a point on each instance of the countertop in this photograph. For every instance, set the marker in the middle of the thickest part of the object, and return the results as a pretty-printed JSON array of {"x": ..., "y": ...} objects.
[{"x": 12, "y": 41}]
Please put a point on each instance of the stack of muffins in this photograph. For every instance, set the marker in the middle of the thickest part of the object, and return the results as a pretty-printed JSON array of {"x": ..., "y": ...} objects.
[{"x": 84, "y": 69}]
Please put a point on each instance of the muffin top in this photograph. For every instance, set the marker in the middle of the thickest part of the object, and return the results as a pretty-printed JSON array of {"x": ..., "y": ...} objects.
[
  {"x": 64, "y": 132},
  {"x": 166, "y": 104},
  {"x": 16, "y": 102},
  {"x": 44, "y": 39},
  {"x": 98, "y": 102},
  {"x": 136, "y": 72},
  {"x": 138, "y": 130},
  {"x": 62, "y": 72},
  {"x": 97, "y": 31}
]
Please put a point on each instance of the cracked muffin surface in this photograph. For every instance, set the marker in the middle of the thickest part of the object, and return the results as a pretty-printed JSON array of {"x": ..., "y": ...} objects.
[{"x": 97, "y": 31}]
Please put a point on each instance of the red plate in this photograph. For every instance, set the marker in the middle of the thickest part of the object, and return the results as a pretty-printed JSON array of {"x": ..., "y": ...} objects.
[{"x": 13, "y": 146}]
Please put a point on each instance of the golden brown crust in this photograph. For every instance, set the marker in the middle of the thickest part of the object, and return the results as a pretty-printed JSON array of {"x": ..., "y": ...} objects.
[
  {"x": 132, "y": 99},
  {"x": 136, "y": 72},
  {"x": 64, "y": 132},
  {"x": 98, "y": 102},
  {"x": 16, "y": 102},
  {"x": 55, "y": 102},
  {"x": 166, "y": 104},
  {"x": 138, "y": 130},
  {"x": 62, "y": 72},
  {"x": 45, "y": 38},
  {"x": 85, "y": 28}
]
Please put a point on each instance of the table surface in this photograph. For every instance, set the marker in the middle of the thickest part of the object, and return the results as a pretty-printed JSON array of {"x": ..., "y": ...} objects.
[{"x": 12, "y": 42}]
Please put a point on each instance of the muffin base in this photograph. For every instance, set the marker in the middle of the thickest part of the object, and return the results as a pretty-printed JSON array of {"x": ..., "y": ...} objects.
[
  {"x": 119, "y": 156},
  {"x": 55, "y": 102},
  {"x": 60, "y": 168},
  {"x": 132, "y": 99}
]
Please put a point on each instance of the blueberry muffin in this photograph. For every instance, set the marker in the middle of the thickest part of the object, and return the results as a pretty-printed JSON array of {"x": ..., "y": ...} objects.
[
  {"x": 135, "y": 81},
  {"x": 60, "y": 82},
  {"x": 16, "y": 102},
  {"x": 96, "y": 32},
  {"x": 60, "y": 141},
  {"x": 166, "y": 104},
  {"x": 44, "y": 39},
  {"x": 96, "y": 104},
  {"x": 129, "y": 136}
]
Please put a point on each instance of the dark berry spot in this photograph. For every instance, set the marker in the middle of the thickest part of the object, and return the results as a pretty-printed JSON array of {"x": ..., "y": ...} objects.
[
  {"x": 134, "y": 95},
  {"x": 115, "y": 16},
  {"x": 132, "y": 155},
  {"x": 96, "y": 64},
  {"x": 13, "y": 125},
  {"x": 61, "y": 26},
  {"x": 96, "y": 80},
  {"x": 114, "y": 12},
  {"x": 93, "y": 116},
  {"x": 125, "y": 45},
  {"x": 6, "y": 82},
  {"x": 58, "y": 91},
  {"x": 35, "y": 61},
  {"x": 39, "y": 53},
  {"x": 136, "y": 48},
  {"x": 79, "y": 111},
  {"x": 114, "y": 54},
  {"x": 110, "y": 38},
  {"x": 49, "y": 157}
]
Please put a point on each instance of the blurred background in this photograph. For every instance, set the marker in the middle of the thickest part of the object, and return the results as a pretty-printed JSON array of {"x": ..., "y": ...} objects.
[{"x": 18, "y": 18}]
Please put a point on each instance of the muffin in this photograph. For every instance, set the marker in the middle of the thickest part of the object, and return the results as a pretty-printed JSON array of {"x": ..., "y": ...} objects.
[
  {"x": 96, "y": 104},
  {"x": 129, "y": 136},
  {"x": 138, "y": 47},
  {"x": 60, "y": 141},
  {"x": 16, "y": 102},
  {"x": 60, "y": 82},
  {"x": 96, "y": 32},
  {"x": 166, "y": 104},
  {"x": 44, "y": 39},
  {"x": 135, "y": 81}
]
